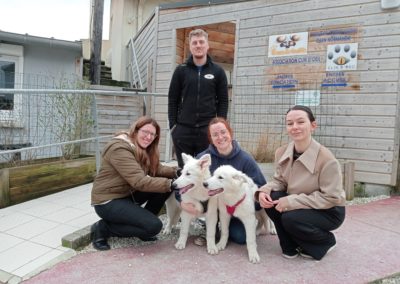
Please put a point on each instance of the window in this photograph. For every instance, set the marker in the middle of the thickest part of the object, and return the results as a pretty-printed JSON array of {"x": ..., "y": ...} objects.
[
  {"x": 11, "y": 70},
  {"x": 7, "y": 81}
]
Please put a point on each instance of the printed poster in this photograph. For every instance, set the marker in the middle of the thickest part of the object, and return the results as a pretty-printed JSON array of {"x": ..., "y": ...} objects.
[
  {"x": 308, "y": 97},
  {"x": 341, "y": 57},
  {"x": 288, "y": 44}
]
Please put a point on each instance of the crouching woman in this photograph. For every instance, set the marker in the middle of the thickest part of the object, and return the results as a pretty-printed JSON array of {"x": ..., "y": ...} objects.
[
  {"x": 131, "y": 175},
  {"x": 305, "y": 199}
]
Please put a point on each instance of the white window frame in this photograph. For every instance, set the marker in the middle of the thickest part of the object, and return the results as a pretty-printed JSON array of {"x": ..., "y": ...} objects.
[{"x": 13, "y": 53}]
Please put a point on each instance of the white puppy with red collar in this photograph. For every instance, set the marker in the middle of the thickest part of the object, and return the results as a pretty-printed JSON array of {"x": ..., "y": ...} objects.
[{"x": 235, "y": 191}]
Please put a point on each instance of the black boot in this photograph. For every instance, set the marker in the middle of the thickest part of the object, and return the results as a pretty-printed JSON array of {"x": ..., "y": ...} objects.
[
  {"x": 149, "y": 239},
  {"x": 98, "y": 242}
]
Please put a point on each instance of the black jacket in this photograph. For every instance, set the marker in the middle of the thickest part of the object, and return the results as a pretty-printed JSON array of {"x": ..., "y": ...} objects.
[{"x": 194, "y": 96}]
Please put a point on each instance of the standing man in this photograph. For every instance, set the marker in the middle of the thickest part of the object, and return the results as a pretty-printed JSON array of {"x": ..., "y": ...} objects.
[{"x": 198, "y": 92}]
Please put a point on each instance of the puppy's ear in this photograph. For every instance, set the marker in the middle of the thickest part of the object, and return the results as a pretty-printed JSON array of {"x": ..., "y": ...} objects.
[
  {"x": 186, "y": 158},
  {"x": 205, "y": 161},
  {"x": 240, "y": 177}
]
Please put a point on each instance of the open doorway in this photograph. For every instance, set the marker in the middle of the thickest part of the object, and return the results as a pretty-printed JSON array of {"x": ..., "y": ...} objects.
[{"x": 221, "y": 39}]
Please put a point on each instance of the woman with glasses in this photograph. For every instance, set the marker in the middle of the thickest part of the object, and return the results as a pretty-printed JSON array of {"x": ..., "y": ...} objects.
[
  {"x": 224, "y": 150},
  {"x": 131, "y": 175}
]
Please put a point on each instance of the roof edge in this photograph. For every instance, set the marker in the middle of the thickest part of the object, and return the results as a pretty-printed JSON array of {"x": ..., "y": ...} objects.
[
  {"x": 14, "y": 38},
  {"x": 194, "y": 3}
]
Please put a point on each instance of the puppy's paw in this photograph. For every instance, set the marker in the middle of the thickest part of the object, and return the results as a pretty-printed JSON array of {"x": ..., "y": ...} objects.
[
  {"x": 272, "y": 229},
  {"x": 221, "y": 245},
  {"x": 212, "y": 249},
  {"x": 261, "y": 231},
  {"x": 254, "y": 258},
  {"x": 180, "y": 245}
]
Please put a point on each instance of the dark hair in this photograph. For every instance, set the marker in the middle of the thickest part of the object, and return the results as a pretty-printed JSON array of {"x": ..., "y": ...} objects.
[
  {"x": 216, "y": 120},
  {"x": 305, "y": 109},
  {"x": 148, "y": 158}
]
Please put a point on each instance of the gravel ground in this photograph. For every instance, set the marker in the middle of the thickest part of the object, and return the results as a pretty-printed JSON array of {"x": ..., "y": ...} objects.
[
  {"x": 364, "y": 200},
  {"x": 196, "y": 229}
]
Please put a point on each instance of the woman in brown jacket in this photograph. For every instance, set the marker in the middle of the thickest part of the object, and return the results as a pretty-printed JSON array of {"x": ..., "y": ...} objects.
[
  {"x": 305, "y": 198},
  {"x": 131, "y": 175}
]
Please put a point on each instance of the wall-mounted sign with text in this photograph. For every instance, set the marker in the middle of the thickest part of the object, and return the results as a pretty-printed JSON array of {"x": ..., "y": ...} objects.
[{"x": 331, "y": 35}]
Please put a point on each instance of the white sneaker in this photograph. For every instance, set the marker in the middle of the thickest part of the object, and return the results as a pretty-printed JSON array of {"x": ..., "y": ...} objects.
[
  {"x": 330, "y": 249},
  {"x": 310, "y": 257},
  {"x": 303, "y": 254},
  {"x": 290, "y": 256}
]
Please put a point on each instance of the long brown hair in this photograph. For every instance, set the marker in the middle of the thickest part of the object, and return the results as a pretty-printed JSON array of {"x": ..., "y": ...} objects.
[
  {"x": 148, "y": 158},
  {"x": 216, "y": 120}
]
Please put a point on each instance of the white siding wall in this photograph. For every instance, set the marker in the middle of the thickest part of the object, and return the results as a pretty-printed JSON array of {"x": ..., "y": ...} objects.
[{"x": 365, "y": 119}]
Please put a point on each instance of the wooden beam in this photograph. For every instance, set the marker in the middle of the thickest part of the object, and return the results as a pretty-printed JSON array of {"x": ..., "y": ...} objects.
[
  {"x": 4, "y": 188},
  {"x": 349, "y": 180}
]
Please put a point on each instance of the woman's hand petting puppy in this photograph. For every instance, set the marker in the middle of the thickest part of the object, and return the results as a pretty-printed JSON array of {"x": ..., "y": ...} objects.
[{"x": 190, "y": 208}]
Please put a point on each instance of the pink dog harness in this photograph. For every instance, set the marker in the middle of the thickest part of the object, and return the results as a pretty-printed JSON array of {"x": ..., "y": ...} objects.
[{"x": 231, "y": 209}]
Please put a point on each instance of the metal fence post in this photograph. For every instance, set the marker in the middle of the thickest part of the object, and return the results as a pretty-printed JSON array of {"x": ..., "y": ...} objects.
[
  {"x": 96, "y": 132},
  {"x": 167, "y": 156}
]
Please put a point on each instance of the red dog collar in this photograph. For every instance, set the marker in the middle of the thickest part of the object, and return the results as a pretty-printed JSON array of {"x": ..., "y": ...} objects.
[{"x": 231, "y": 209}]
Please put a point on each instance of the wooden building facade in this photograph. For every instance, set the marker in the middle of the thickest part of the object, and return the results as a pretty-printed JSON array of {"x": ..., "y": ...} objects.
[{"x": 341, "y": 57}]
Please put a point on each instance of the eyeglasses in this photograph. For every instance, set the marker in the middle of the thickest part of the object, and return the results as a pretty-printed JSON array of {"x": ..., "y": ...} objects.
[
  {"x": 148, "y": 133},
  {"x": 217, "y": 134}
]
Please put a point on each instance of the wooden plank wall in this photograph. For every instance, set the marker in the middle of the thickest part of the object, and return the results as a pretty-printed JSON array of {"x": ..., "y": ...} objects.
[
  {"x": 145, "y": 46},
  {"x": 116, "y": 113},
  {"x": 365, "y": 119}
]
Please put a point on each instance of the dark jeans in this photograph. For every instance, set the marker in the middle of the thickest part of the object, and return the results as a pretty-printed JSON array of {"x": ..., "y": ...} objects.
[
  {"x": 237, "y": 231},
  {"x": 189, "y": 140},
  {"x": 309, "y": 229},
  {"x": 126, "y": 217}
]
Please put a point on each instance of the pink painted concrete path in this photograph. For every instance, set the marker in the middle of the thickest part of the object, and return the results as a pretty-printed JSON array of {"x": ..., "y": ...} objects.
[{"x": 368, "y": 248}]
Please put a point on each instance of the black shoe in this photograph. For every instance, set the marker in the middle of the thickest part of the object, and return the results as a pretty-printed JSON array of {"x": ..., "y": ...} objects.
[
  {"x": 150, "y": 239},
  {"x": 98, "y": 242},
  {"x": 101, "y": 244}
]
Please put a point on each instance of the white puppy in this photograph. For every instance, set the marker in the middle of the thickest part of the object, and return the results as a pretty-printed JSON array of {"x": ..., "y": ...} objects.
[
  {"x": 190, "y": 186},
  {"x": 235, "y": 192}
]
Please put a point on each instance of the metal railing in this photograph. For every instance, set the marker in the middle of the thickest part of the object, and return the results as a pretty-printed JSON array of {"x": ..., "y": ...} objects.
[{"x": 64, "y": 124}]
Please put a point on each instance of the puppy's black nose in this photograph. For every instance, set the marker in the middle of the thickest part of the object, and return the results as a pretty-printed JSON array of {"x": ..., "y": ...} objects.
[
  {"x": 205, "y": 184},
  {"x": 173, "y": 185}
]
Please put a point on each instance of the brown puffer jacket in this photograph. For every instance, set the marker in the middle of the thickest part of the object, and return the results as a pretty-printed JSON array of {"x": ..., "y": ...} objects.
[{"x": 120, "y": 173}]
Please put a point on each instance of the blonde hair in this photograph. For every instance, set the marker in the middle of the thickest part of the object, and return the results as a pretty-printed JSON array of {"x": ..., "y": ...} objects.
[{"x": 198, "y": 32}]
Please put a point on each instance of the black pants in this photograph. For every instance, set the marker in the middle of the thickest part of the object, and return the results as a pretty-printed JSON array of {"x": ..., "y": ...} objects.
[
  {"x": 126, "y": 217},
  {"x": 189, "y": 140},
  {"x": 308, "y": 229}
]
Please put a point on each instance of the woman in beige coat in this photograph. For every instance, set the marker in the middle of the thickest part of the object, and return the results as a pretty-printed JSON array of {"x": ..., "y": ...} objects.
[
  {"x": 131, "y": 175},
  {"x": 305, "y": 198}
]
